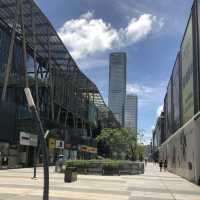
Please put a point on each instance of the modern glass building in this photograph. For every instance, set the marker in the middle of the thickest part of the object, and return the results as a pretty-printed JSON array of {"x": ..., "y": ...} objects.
[
  {"x": 131, "y": 112},
  {"x": 69, "y": 103},
  {"x": 117, "y": 85}
]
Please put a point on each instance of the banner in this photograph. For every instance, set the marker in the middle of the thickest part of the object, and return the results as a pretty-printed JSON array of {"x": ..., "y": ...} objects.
[
  {"x": 88, "y": 149},
  {"x": 187, "y": 75},
  {"x": 176, "y": 94},
  {"x": 169, "y": 109}
]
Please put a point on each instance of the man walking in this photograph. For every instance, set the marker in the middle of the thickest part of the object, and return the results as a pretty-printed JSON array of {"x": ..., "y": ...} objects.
[
  {"x": 161, "y": 165},
  {"x": 165, "y": 165}
]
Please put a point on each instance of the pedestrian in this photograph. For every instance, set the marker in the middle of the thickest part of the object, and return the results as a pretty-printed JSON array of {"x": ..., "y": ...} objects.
[
  {"x": 165, "y": 165},
  {"x": 161, "y": 165},
  {"x": 5, "y": 161},
  {"x": 145, "y": 162}
]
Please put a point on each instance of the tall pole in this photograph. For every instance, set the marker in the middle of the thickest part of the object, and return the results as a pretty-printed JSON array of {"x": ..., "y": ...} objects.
[
  {"x": 36, "y": 82},
  {"x": 43, "y": 143}
]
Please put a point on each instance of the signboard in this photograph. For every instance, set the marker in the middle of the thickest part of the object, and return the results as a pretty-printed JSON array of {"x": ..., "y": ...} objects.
[
  {"x": 68, "y": 146},
  {"x": 187, "y": 74},
  {"x": 52, "y": 143},
  {"x": 176, "y": 94},
  {"x": 88, "y": 149},
  {"x": 59, "y": 144},
  {"x": 28, "y": 139}
]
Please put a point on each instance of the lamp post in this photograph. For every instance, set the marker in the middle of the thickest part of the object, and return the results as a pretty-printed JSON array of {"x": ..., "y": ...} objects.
[
  {"x": 42, "y": 140},
  {"x": 36, "y": 155}
]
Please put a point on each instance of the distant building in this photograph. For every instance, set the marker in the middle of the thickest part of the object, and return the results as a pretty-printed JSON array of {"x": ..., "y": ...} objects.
[
  {"x": 117, "y": 85},
  {"x": 131, "y": 112}
]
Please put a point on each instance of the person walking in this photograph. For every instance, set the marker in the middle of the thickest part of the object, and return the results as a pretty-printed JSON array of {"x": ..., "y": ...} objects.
[
  {"x": 165, "y": 165},
  {"x": 5, "y": 161},
  {"x": 161, "y": 165},
  {"x": 145, "y": 160}
]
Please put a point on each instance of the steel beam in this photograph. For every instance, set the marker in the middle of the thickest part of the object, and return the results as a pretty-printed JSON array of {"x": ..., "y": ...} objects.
[
  {"x": 10, "y": 53},
  {"x": 50, "y": 75},
  {"x": 24, "y": 70},
  {"x": 35, "y": 57}
]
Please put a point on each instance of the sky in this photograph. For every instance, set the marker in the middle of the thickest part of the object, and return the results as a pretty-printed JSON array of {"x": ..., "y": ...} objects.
[{"x": 149, "y": 31}]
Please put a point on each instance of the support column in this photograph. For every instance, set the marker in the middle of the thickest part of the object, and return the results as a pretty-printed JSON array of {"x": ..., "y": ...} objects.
[
  {"x": 51, "y": 75},
  {"x": 35, "y": 57},
  {"x": 10, "y": 53},
  {"x": 24, "y": 70}
]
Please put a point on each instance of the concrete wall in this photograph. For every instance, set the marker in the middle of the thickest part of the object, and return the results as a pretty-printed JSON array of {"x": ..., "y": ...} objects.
[{"x": 182, "y": 151}]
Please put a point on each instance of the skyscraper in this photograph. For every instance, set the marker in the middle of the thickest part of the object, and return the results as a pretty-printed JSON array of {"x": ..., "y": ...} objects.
[
  {"x": 131, "y": 112},
  {"x": 117, "y": 85}
]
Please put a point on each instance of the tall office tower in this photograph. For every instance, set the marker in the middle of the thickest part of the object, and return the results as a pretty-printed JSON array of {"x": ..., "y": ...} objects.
[
  {"x": 117, "y": 85},
  {"x": 131, "y": 112}
]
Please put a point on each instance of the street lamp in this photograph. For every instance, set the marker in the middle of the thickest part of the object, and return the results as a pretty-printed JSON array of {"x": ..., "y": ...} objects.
[
  {"x": 42, "y": 140},
  {"x": 36, "y": 155}
]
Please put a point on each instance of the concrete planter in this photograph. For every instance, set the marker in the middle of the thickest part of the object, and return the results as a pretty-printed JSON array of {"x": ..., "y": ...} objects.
[{"x": 109, "y": 167}]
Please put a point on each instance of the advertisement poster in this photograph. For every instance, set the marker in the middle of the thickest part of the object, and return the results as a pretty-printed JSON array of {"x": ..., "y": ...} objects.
[
  {"x": 187, "y": 75},
  {"x": 176, "y": 94},
  {"x": 169, "y": 108}
]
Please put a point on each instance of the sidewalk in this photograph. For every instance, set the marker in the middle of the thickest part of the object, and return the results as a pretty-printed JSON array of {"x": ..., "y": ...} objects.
[{"x": 153, "y": 185}]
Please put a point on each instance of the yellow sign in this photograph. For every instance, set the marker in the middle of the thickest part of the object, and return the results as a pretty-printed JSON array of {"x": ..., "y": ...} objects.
[
  {"x": 52, "y": 143},
  {"x": 88, "y": 149}
]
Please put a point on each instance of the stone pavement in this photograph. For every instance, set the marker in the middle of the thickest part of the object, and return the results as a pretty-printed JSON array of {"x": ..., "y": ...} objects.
[{"x": 16, "y": 184}]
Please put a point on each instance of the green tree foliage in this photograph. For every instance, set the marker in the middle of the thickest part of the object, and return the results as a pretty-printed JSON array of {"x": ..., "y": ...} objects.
[{"x": 122, "y": 142}]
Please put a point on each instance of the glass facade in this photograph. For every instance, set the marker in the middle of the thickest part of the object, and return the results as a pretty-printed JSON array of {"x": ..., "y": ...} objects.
[{"x": 131, "y": 112}]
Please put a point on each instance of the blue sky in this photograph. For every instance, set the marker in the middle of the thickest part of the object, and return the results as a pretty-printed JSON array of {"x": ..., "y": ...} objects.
[{"x": 149, "y": 31}]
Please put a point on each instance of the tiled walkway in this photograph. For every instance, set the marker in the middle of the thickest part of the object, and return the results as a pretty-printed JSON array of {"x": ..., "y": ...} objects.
[{"x": 153, "y": 185}]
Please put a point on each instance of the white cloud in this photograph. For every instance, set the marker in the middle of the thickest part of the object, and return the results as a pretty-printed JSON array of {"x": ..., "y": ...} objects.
[
  {"x": 159, "y": 110},
  {"x": 87, "y": 35},
  {"x": 138, "y": 29},
  {"x": 88, "y": 15}
]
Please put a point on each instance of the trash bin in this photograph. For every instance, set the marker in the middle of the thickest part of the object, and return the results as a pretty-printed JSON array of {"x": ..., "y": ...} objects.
[{"x": 70, "y": 174}]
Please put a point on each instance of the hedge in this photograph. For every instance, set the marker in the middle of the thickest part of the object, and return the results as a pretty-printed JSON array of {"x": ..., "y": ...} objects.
[{"x": 103, "y": 163}]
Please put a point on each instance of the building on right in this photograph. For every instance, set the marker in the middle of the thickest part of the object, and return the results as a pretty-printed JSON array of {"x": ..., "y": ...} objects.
[
  {"x": 179, "y": 141},
  {"x": 131, "y": 112}
]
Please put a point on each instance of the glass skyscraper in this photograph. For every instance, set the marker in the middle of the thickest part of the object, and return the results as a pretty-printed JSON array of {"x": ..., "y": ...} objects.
[
  {"x": 117, "y": 85},
  {"x": 131, "y": 112}
]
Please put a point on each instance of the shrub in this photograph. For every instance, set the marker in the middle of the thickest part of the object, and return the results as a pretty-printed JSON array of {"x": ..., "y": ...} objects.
[{"x": 77, "y": 163}]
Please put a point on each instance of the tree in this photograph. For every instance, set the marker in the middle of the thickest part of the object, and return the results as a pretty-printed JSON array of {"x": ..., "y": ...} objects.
[{"x": 121, "y": 142}]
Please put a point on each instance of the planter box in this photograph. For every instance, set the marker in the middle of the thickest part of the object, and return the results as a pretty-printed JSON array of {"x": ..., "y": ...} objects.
[
  {"x": 110, "y": 171},
  {"x": 101, "y": 167},
  {"x": 97, "y": 170},
  {"x": 82, "y": 170}
]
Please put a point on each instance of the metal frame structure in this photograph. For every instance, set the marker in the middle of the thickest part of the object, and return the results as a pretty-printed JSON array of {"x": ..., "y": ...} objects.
[{"x": 55, "y": 71}]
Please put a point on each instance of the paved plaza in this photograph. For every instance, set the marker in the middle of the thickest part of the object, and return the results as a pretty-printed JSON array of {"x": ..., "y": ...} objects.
[{"x": 16, "y": 184}]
